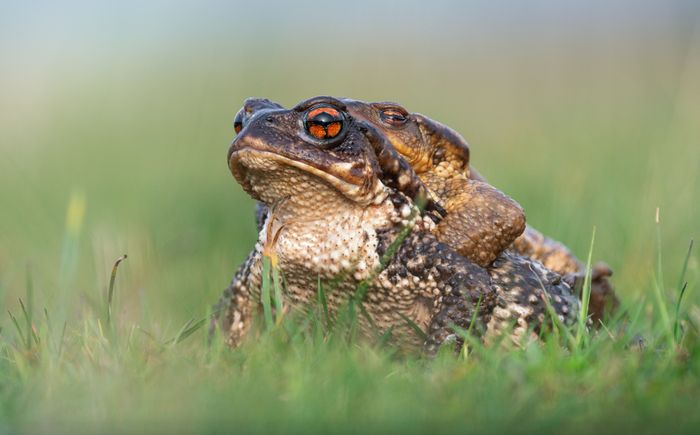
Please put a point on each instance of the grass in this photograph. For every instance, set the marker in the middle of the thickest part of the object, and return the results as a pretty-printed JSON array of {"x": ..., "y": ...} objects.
[
  {"x": 124, "y": 153},
  {"x": 299, "y": 375},
  {"x": 103, "y": 371},
  {"x": 581, "y": 330}
]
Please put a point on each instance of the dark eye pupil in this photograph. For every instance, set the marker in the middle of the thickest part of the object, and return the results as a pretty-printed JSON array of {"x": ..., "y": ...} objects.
[
  {"x": 324, "y": 119},
  {"x": 324, "y": 123}
]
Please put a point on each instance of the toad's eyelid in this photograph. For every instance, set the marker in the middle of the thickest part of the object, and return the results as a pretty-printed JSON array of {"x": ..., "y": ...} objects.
[
  {"x": 393, "y": 117},
  {"x": 391, "y": 107},
  {"x": 319, "y": 101}
]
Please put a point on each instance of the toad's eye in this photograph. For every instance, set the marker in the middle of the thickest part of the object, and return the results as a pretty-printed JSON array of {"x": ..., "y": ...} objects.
[
  {"x": 393, "y": 116},
  {"x": 324, "y": 122},
  {"x": 238, "y": 121}
]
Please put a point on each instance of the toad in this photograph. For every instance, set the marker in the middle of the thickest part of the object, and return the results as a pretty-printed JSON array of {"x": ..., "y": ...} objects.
[
  {"x": 481, "y": 221},
  {"x": 337, "y": 196},
  {"x": 441, "y": 158}
]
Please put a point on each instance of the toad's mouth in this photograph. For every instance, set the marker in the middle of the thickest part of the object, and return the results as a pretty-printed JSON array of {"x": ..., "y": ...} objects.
[{"x": 266, "y": 175}]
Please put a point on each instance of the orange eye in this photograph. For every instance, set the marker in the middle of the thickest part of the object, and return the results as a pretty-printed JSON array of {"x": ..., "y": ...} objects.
[{"x": 324, "y": 122}]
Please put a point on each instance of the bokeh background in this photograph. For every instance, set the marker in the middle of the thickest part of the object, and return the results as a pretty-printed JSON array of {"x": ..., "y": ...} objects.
[{"x": 115, "y": 118}]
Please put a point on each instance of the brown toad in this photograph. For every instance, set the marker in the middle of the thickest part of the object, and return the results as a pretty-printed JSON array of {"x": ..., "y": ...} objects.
[
  {"x": 481, "y": 221},
  {"x": 337, "y": 196},
  {"x": 441, "y": 158}
]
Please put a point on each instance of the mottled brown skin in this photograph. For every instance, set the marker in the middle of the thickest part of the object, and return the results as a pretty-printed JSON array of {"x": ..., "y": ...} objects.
[
  {"x": 333, "y": 208},
  {"x": 393, "y": 169},
  {"x": 441, "y": 157},
  {"x": 557, "y": 257},
  {"x": 481, "y": 221}
]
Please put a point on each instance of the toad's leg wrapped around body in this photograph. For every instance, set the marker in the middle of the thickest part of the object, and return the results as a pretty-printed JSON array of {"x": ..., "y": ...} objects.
[{"x": 481, "y": 220}]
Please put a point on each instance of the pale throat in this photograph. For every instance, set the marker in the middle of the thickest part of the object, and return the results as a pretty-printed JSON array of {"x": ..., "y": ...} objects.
[{"x": 333, "y": 236}]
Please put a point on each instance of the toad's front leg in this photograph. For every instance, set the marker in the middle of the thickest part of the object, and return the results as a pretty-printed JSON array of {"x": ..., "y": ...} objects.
[{"x": 234, "y": 312}]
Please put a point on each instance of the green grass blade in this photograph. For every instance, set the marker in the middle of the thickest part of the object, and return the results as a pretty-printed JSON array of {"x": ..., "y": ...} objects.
[
  {"x": 384, "y": 260},
  {"x": 323, "y": 303},
  {"x": 49, "y": 327},
  {"x": 677, "y": 323},
  {"x": 417, "y": 329},
  {"x": 385, "y": 337},
  {"x": 62, "y": 340},
  {"x": 31, "y": 334},
  {"x": 684, "y": 269},
  {"x": 559, "y": 326},
  {"x": 28, "y": 312},
  {"x": 265, "y": 293},
  {"x": 110, "y": 291},
  {"x": 472, "y": 322},
  {"x": 474, "y": 343},
  {"x": 659, "y": 290},
  {"x": 682, "y": 286},
  {"x": 370, "y": 320},
  {"x": 188, "y": 329},
  {"x": 585, "y": 295},
  {"x": 278, "y": 298},
  {"x": 22, "y": 338}
]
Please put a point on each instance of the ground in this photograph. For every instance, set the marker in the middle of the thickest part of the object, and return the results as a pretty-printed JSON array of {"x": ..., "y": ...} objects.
[{"x": 112, "y": 156}]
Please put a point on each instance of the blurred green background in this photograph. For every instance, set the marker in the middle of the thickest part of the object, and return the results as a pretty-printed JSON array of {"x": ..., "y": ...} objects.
[{"x": 588, "y": 113}]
